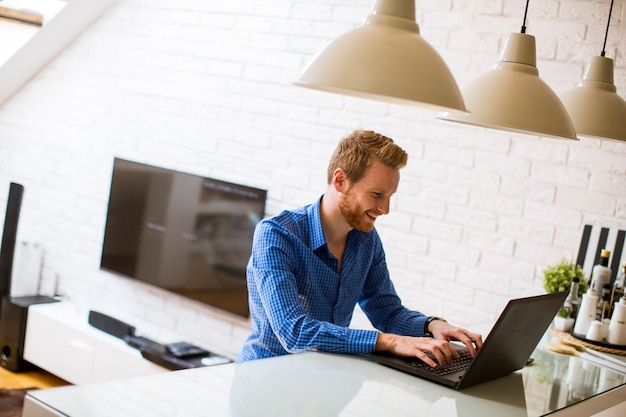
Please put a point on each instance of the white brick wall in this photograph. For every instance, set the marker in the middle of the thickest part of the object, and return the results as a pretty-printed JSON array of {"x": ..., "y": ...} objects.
[{"x": 205, "y": 87}]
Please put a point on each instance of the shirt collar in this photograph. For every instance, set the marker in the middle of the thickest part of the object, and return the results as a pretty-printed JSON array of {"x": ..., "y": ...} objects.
[{"x": 317, "y": 238}]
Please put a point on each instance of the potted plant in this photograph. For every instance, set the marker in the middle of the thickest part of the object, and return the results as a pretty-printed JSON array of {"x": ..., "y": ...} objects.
[
  {"x": 563, "y": 321},
  {"x": 558, "y": 277}
]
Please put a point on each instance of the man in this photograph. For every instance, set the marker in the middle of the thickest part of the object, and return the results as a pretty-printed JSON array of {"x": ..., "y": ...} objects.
[{"x": 310, "y": 266}]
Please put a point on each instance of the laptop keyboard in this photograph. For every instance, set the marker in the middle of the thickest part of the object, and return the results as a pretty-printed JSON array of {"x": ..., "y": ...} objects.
[{"x": 458, "y": 364}]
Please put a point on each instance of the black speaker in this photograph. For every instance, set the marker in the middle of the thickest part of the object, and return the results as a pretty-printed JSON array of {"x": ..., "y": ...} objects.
[
  {"x": 13, "y": 329},
  {"x": 7, "y": 250},
  {"x": 110, "y": 325}
]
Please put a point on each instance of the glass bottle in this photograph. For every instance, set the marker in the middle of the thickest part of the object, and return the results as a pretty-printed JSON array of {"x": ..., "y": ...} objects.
[
  {"x": 601, "y": 273},
  {"x": 572, "y": 302},
  {"x": 604, "y": 301},
  {"x": 618, "y": 288}
]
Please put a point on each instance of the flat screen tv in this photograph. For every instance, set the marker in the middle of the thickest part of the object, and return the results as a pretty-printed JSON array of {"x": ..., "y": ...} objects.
[{"x": 184, "y": 233}]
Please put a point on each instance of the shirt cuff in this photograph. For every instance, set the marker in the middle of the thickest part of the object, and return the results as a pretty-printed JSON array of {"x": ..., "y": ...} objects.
[{"x": 361, "y": 341}]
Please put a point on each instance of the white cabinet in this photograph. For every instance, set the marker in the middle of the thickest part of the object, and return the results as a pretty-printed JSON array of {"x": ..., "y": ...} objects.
[{"x": 61, "y": 341}]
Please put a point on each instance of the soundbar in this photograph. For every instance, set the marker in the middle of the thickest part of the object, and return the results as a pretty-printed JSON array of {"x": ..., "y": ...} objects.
[{"x": 110, "y": 325}]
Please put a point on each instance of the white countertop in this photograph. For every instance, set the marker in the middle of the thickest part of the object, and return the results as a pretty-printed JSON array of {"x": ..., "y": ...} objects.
[{"x": 321, "y": 384}]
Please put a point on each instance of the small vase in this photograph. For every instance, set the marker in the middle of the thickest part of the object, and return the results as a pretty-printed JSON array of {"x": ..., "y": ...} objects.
[{"x": 564, "y": 324}]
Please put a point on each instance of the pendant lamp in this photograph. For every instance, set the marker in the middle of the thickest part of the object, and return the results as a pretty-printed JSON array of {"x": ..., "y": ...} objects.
[
  {"x": 596, "y": 109},
  {"x": 386, "y": 59},
  {"x": 513, "y": 98}
]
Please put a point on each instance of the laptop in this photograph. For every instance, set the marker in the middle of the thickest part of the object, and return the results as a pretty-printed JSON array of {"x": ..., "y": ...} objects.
[{"x": 507, "y": 348}]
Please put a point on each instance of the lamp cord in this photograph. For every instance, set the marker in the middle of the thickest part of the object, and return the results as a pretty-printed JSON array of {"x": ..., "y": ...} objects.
[
  {"x": 526, "y": 13},
  {"x": 606, "y": 35}
]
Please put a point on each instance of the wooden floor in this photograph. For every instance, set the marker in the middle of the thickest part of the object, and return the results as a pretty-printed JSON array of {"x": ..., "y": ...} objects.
[{"x": 29, "y": 379}]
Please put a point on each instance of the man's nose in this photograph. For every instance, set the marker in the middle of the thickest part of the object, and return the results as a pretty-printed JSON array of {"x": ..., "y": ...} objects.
[{"x": 383, "y": 207}]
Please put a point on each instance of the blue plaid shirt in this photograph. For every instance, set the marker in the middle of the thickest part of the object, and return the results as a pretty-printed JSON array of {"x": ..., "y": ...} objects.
[{"x": 299, "y": 303}]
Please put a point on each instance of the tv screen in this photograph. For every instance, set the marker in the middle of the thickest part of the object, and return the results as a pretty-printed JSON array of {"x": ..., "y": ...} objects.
[{"x": 184, "y": 233}]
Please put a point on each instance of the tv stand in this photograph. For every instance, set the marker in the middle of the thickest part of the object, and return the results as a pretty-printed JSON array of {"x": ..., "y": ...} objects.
[
  {"x": 60, "y": 340},
  {"x": 63, "y": 342}
]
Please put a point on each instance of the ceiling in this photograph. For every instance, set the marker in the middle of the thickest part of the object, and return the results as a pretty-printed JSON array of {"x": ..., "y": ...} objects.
[{"x": 32, "y": 47}]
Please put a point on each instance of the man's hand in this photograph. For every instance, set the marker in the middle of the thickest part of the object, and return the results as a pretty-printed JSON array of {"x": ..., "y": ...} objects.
[
  {"x": 439, "y": 347},
  {"x": 418, "y": 347},
  {"x": 445, "y": 331}
]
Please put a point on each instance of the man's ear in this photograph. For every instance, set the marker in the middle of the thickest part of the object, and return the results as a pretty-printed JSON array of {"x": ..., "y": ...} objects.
[{"x": 340, "y": 182}]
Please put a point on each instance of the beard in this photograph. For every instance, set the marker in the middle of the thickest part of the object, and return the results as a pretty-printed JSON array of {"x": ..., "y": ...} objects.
[{"x": 353, "y": 213}]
